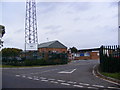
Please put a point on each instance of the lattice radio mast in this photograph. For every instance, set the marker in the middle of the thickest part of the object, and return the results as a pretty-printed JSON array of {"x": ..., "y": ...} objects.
[{"x": 31, "y": 23}]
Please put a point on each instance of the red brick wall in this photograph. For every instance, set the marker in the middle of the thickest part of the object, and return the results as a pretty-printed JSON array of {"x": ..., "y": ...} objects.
[
  {"x": 82, "y": 58},
  {"x": 93, "y": 55},
  {"x": 60, "y": 50}
]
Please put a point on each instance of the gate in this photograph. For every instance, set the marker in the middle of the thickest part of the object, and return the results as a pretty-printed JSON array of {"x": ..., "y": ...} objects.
[{"x": 110, "y": 58}]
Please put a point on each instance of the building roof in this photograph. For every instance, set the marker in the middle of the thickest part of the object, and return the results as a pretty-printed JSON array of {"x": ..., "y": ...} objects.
[
  {"x": 93, "y": 49},
  {"x": 51, "y": 44}
]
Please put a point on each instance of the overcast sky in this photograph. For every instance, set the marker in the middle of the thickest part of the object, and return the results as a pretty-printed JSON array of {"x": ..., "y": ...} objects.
[{"x": 79, "y": 24}]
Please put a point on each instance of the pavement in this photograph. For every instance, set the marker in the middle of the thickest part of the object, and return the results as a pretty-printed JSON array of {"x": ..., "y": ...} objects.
[{"x": 76, "y": 74}]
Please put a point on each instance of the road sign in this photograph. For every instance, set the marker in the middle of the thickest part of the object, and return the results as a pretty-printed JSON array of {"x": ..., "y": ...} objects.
[{"x": 31, "y": 46}]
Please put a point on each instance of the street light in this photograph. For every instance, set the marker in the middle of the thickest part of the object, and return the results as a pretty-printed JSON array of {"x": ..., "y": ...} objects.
[{"x": 2, "y": 32}]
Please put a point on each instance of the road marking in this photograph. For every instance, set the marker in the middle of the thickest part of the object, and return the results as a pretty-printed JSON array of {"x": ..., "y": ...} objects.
[
  {"x": 36, "y": 79},
  {"x": 35, "y": 76},
  {"x": 67, "y": 71},
  {"x": 97, "y": 86},
  {"x": 53, "y": 82},
  {"x": 29, "y": 77},
  {"x": 17, "y": 75},
  {"x": 51, "y": 79},
  {"x": 77, "y": 86},
  {"x": 23, "y": 76},
  {"x": 71, "y": 82},
  {"x": 84, "y": 84},
  {"x": 65, "y": 84},
  {"x": 75, "y": 82},
  {"x": 44, "y": 80},
  {"x": 102, "y": 78},
  {"x": 114, "y": 88},
  {"x": 92, "y": 87},
  {"x": 61, "y": 80}
]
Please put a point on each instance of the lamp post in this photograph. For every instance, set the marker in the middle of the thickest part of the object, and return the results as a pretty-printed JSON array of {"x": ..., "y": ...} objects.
[{"x": 2, "y": 32}]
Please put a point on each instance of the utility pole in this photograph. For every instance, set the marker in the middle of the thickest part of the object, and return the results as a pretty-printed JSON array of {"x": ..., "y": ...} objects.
[
  {"x": 119, "y": 29},
  {"x": 2, "y": 32}
]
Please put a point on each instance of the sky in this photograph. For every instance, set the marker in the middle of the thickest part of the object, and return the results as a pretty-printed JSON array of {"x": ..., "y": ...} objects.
[{"x": 79, "y": 24}]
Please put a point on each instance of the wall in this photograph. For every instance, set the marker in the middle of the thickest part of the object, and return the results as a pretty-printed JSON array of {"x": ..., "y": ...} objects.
[
  {"x": 60, "y": 50},
  {"x": 82, "y": 58},
  {"x": 93, "y": 56}
]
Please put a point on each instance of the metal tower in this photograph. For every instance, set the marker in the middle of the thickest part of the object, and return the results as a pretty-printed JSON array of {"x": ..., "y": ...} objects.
[{"x": 31, "y": 23}]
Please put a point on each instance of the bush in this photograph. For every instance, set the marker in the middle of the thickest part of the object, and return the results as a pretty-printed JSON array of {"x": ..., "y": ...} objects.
[{"x": 51, "y": 59}]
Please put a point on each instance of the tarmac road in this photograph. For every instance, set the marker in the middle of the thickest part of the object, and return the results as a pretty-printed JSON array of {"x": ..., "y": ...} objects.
[{"x": 76, "y": 74}]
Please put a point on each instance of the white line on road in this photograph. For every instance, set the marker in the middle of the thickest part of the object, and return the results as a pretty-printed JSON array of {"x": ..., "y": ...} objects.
[
  {"x": 97, "y": 86},
  {"x": 67, "y": 71},
  {"x": 36, "y": 79},
  {"x": 61, "y": 80},
  {"x": 35, "y": 76},
  {"x": 53, "y": 82},
  {"x": 84, "y": 84},
  {"x": 71, "y": 82},
  {"x": 114, "y": 88},
  {"x": 92, "y": 87},
  {"x": 102, "y": 78},
  {"x": 29, "y": 77},
  {"x": 77, "y": 86},
  {"x": 65, "y": 84},
  {"x": 17, "y": 75},
  {"x": 23, "y": 76},
  {"x": 44, "y": 80},
  {"x": 51, "y": 79}
]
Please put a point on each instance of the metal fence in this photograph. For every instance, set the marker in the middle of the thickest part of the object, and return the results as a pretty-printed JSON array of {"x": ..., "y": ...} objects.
[{"x": 110, "y": 58}]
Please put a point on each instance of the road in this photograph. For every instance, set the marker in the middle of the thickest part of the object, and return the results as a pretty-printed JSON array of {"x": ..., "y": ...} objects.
[{"x": 76, "y": 74}]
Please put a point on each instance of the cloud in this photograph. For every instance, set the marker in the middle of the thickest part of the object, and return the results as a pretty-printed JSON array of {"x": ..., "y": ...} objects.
[
  {"x": 44, "y": 8},
  {"x": 53, "y": 29},
  {"x": 78, "y": 7},
  {"x": 20, "y": 30},
  {"x": 79, "y": 24}
]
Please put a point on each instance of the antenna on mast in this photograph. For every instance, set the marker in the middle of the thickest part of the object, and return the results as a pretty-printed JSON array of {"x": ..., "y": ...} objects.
[{"x": 31, "y": 38}]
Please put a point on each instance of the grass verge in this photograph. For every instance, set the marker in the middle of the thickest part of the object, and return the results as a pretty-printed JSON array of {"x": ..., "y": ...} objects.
[{"x": 112, "y": 75}]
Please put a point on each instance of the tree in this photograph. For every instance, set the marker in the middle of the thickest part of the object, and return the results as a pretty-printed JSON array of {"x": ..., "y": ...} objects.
[
  {"x": 73, "y": 50},
  {"x": 11, "y": 52}
]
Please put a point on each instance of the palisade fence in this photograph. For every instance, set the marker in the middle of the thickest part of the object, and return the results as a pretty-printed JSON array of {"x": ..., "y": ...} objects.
[{"x": 110, "y": 58}]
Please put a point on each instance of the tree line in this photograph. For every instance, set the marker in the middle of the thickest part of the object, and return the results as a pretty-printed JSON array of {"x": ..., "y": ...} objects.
[{"x": 11, "y": 52}]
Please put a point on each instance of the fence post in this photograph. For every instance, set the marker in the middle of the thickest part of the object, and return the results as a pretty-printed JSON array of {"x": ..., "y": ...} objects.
[{"x": 101, "y": 57}]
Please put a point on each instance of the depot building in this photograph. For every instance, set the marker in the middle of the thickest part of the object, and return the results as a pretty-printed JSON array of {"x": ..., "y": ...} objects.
[{"x": 52, "y": 46}]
